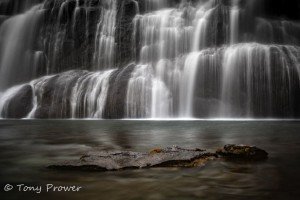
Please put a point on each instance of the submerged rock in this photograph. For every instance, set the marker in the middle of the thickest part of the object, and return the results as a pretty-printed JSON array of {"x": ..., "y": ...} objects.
[
  {"x": 168, "y": 157},
  {"x": 242, "y": 152},
  {"x": 118, "y": 160}
]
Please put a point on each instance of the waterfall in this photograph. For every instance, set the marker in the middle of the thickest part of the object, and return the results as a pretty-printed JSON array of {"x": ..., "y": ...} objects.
[
  {"x": 6, "y": 97},
  {"x": 148, "y": 59},
  {"x": 163, "y": 35},
  {"x": 241, "y": 65},
  {"x": 161, "y": 100},
  {"x": 200, "y": 34},
  {"x": 89, "y": 95},
  {"x": 234, "y": 22},
  {"x": 76, "y": 94},
  {"x": 166, "y": 36},
  {"x": 188, "y": 84},
  {"x": 17, "y": 55},
  {"x": 279, "y": 31},
  {"x": 155, "y": 4},
  {"x": 104, "y": 55},
  {"x": 147, "y": 96},
  {"x": 138, "y": 99}
]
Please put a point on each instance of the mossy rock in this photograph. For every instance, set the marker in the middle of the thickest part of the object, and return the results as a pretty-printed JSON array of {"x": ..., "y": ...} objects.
[{"x": 242, "y": 152}]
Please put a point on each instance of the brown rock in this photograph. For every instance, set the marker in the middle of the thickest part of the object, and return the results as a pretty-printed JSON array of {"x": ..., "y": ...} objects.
[
  {"x": 242, "y": 152},
  {"x": 119, "y": 160}
]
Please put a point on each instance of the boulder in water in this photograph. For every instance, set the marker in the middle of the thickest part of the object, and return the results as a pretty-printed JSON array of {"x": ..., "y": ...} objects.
[
  {"x": 168, "y": 157},
  {"x": 119, "y": 160},
  {"x": 242, "y": 152}
]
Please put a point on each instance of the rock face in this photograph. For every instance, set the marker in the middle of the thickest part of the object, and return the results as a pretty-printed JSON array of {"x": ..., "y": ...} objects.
[
  {"x": 19, "y": 105},
  {"x": 169, "y": 157},
  {"x": 242, "y": 152},
  {"x": 115, "y": 104},
  {"x": 118, "y": 160}
]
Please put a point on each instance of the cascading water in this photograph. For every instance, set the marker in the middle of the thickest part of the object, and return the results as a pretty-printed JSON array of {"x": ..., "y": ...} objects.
[
  {"x": 6, "y": 97},
  {"x": 170, "y": 41},
  {"x": 17, "y": 55},
  {"x": 201, "y": 19},
  {"x": 150, "y": 59},
  {"x": 89, "y": 94},
  {"x": 104, "y": 55},
  {"x": 234, "y": 22},
  {"x": 76, "y": 94},
  {"x": 187, "y": 85},
  {"x": 155, "y": 4},
  {"x": 138, "y": 99}
]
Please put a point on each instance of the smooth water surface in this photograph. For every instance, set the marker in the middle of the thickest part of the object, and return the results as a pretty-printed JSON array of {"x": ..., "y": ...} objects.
[{"x": 28, "y": 146}]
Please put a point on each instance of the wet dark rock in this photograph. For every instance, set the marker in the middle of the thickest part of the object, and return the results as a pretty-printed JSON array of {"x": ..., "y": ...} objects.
[
  {"x": 282, "y": 9},
  {"x": 50, "y": 101},
  {"x": 218, "y": 26},
  {"x": 242, "y": 152},
  {"x": 20, "y": 105},
  {"x": 12, "y": 7},
  {"x": 120, "y": 160},
  {"x": 3, "y": 18},
  {"x": 127, "y": 9},
  {"x": 115, "y": 103}
]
